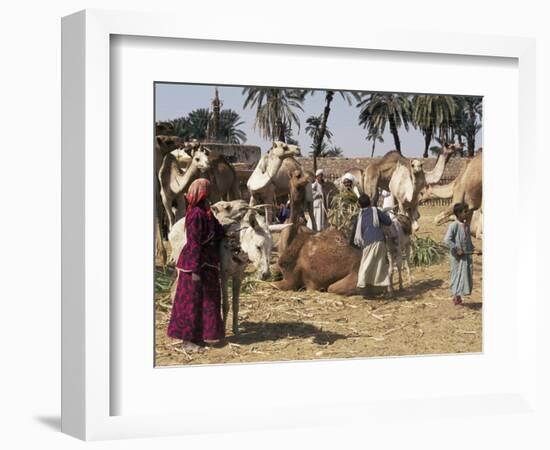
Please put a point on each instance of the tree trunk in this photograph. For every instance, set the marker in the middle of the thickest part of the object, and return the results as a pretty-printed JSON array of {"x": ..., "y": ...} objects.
[
  {"x": 280, "y": 130},
  {"x": 393, "y": 129},
  {"x": 322, "y": 129},
  {"x": 471, "y": 144},
  {"x": 373, "y": 145},
  {"x": 427, "y": 141}
]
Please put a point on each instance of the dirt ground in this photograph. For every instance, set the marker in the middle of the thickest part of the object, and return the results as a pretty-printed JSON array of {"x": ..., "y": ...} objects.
[{"x": 282, "y": 326}]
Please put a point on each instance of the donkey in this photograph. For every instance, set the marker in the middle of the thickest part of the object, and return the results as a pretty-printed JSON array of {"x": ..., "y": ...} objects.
[
  {"x": 247, "y": 239},
  {"x": 398, "y": 243}
]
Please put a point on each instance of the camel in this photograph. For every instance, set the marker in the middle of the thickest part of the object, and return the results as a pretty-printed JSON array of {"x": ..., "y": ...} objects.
[
  {"x": 326, "y": 260},
  {"x": 248, "y": 238},
  {"x": 405, "y": 179},
  {"x": 270, "y": 179},
  {"x": 318, "y": 261},
  {"x": 174, "y": 180},
  {"x": 467, "y": 187},
  {"x": 297, "y": 186}
]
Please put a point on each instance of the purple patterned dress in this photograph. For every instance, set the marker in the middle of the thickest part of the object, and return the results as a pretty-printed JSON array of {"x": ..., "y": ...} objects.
[{"x": 196, "y": 311}]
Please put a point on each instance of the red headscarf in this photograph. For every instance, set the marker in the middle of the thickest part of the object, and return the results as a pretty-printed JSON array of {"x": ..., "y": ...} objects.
[{"x": 197, "y": 192}]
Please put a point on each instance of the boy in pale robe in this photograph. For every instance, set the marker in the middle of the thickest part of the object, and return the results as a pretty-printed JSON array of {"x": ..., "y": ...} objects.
[{"x": 461, "y": 248}]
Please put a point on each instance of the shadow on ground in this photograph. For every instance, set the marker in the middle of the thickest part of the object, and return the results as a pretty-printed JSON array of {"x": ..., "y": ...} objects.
[
  {"x": 476, "y": 306},
  {"x": 407, "y": 293},
  {"x": 254, "y": 332}
]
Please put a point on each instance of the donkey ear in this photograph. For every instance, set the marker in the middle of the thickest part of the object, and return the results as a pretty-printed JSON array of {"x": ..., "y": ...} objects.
[
  {"x": 189, "y": 148},
  {"x": 252, "y": 221}
]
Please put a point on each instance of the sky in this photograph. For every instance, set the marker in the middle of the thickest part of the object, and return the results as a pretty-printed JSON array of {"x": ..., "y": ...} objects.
[{"x": 177, "y": 100}]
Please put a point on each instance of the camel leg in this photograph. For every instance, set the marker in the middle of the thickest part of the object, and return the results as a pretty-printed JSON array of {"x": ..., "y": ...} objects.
[
  {"x": 235, "y": 303},
  {"x": 225, "y": 300},
  {"x": 167, "y": 203},
  {"x": 345, "y": 286},
  {"x": 444, "y": 216},
  {"x": 290, "y": 281},
  {"x": 181, "y": 208},
  {"x": 161, "y": 251}
]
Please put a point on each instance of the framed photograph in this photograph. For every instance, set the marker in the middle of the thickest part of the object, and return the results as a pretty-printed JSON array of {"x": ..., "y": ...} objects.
[{"x": 174, "y": 145}]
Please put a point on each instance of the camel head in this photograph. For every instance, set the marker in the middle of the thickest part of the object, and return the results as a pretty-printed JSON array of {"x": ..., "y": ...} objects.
[
  {"x": 451, "y": 149},
  {"x": 298, "y": 179},
  {"x": 165, "y": 128},
  {"x": 417, "y": 166},
  {"x": 227, "y": 212},
  {"x": 168, "y": 143},
  {"x": 257, "y": 242},
  {"x": 269, "y": 165},
  {"x": 200, "y": 156},
  {"x": 283, "y": 150}
]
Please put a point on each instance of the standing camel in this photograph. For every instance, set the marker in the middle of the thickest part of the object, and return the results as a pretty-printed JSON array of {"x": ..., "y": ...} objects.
[
  {"x": 271, "y": 177},
  {"x": 204, "y": 163}
]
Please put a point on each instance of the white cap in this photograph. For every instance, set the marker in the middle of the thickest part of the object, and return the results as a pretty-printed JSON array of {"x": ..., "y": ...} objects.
[
  {"x": 319, "y": 172},
  {"x": 348, "y": 176}
]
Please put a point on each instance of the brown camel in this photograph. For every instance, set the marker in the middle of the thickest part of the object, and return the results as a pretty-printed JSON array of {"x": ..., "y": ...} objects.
[
  {"x": 467, "y": 187},
  {"x": 316, "y": 261}
]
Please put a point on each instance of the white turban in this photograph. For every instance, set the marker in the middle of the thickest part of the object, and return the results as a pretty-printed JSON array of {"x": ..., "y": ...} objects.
[
  {"x": 319, "y": 172},
  {"x": 348, "y": 176}
]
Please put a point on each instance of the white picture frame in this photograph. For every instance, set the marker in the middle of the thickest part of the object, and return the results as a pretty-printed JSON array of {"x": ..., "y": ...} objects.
[{"x": 86, "y": 247}]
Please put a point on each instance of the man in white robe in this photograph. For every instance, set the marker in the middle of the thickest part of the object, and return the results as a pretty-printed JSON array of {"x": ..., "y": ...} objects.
[{"x": 319, "y": 208}]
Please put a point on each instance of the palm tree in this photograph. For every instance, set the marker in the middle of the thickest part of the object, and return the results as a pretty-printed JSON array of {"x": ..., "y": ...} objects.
[
  {"x": 348, "y": 96},
  {"x": 434, "y": 114},
  {"x": 228, "y": 127},
  {"x": 313, "y": 130},
  {"x": 197, "y": 123},
  {"x": 473, "y": 109},
  {"x": 374, "y": 135},
  {"x": 377, "y": 110},
  {"x": 275, "y": 110},
  {"x": 331, "y": 152}
]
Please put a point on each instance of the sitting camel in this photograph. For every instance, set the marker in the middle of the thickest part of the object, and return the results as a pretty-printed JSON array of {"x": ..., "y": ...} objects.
[
  {"x": 270, "y": 179},
  {"x": 326, "y": 260},
  {"x": 248, "y": 238}
]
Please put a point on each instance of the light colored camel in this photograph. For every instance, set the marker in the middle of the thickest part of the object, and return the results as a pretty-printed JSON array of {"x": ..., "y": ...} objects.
[
  {"x": 407, "y": 179},
  {"x": 204, "y": 163},
  {"x": 270, "y": 179},
  {"x": 467, "y": 187}
]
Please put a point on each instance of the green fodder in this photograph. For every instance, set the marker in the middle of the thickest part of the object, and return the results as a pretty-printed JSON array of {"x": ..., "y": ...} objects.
[
  {"x": 426, "y": 251},
  {"x": 163, "y": 280},
  {"x": 343, "y": 208}
]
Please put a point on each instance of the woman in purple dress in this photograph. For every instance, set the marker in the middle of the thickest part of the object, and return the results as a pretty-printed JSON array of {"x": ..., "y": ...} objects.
[{"x": 196, "y": 311}]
